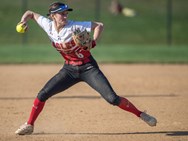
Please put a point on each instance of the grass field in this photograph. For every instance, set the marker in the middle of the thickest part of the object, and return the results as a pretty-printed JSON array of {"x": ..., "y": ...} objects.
[
  {"x": 104, "y": 54},
  {"x": 141, "y": 39},
  {"x": 147, "y": 27}
]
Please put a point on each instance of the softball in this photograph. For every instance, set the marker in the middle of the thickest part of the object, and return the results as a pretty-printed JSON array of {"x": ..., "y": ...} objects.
[{"x": 21, "y": 28}]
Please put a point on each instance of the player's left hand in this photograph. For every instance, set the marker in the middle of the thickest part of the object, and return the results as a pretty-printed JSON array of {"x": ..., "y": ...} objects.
[{"x": 83, "y": 39}]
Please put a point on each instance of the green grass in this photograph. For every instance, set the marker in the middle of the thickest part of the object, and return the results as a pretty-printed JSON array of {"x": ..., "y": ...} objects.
[
  {"x": 11, "y": 54},
  {"x": 142, "y": 54},
  {"x": 140, "y": 39},
  {"x": 147, "y": 27}
]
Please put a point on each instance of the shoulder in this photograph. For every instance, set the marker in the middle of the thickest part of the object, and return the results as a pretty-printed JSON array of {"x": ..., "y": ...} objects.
[
  {"x": 43, "y": 19},
  {"x": 45, "y": 23}
]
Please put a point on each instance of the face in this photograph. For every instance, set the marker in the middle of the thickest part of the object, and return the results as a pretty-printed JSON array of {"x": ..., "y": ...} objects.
[{"x": 60, "y": 18}]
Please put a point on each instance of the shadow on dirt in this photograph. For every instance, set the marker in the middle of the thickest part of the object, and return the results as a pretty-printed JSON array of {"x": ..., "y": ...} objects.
[
  {"x": 168, "y": 133},
  {"x": 89, "y": 97}
]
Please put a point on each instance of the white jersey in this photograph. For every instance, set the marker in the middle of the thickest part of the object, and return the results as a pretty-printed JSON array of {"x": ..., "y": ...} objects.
[{"x": 63, "y": 40}]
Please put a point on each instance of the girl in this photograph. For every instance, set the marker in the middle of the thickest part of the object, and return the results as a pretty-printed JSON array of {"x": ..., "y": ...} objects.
[{"x": 79, "y": 64}]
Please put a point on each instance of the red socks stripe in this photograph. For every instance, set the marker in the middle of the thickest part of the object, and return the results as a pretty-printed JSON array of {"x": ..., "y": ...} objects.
[
  {"x": 38, "y": 106},
  {"x": 36, "y": 109},
  {"x": 128, "y": 106}
]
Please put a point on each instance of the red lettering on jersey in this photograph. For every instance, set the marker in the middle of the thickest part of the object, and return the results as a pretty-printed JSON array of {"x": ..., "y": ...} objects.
[
  {"x": 58, "y": 46},
  {"x": 70, "y": 44},
  {"x": 70, "y": 51},
  {"x": 64, "y": 47}
]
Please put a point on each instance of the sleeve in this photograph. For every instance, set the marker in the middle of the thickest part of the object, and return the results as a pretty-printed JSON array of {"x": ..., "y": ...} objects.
[
  {"x": 82, "y": 25},
  {"x": 44, "y": 23}
]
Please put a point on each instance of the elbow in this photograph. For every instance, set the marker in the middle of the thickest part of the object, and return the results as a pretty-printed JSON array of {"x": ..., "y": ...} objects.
[
  {"x": 101, "y": 26},
  {"x": 97, "y": 25},
  {"x": 30, "y": 14}
]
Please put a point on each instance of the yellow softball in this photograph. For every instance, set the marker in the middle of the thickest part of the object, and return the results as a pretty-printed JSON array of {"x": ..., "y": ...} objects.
[{"x": 21, "y": 28}]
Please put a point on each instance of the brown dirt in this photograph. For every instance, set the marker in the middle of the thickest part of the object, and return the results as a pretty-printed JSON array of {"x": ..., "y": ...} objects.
[{"x": 80, "y": 114}]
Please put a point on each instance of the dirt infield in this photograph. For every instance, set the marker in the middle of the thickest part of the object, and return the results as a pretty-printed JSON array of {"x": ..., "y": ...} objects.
[{"x": 80, "y": 114}]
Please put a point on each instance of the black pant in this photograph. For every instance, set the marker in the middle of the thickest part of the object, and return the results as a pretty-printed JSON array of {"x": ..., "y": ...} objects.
[{"x": 70, "y": 75}]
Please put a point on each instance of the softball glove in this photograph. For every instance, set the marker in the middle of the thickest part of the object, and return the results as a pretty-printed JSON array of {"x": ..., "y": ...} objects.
[{"x": 83, "y": 39}]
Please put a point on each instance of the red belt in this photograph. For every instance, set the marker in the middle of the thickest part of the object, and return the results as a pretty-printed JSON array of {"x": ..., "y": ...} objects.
[{"x": 78, "y": 62}]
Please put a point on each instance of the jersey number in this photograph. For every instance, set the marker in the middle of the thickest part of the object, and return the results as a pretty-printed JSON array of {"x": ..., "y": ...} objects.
[{"x": 79, "y": 55}]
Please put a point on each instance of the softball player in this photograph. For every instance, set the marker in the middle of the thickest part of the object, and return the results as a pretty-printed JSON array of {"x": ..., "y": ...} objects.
[{"x": 79, "y": 64}]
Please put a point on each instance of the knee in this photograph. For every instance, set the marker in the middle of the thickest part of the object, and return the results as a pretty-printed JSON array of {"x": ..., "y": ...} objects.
[
  {"x": 114, "y": 100},
  {"x": 42, "y": 95}
]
